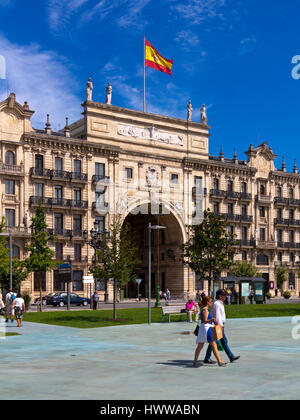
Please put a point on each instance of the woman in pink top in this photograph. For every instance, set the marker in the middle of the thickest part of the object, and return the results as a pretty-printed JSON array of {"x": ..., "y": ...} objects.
[{"x": 191, "y": 309}]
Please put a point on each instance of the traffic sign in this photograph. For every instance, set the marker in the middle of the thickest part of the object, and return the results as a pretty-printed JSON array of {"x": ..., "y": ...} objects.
[
  {"x": 138, "y": 281},
  {"x": 88, "y": 280}
]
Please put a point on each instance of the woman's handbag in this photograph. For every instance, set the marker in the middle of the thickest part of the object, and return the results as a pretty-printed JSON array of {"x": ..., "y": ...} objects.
[
  {"x": 196, "y": 331},
  {"x": 217, "y": 332}
]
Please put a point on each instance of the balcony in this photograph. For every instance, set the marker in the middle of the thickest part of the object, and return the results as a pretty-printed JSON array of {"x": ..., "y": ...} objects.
[
  {"x": 232, "y": 194},
  {"x": 103, "y": 204},
  {"x": 237, "y": 218},
  {"x": 66, "y": 233},
  {"x": 288, "y": 245},
  {"x": 243, "y": 243},
  {"x": 12, "y": 169},
  {"x": 265, "y": 244},
  {"x": 266, "y": 199},
  {"x": 17, "y": 231},
  {"x": 287, "y": 201},
  {"x": 58, "y": 174},
  {"x": 287, "y": 222},
  {"x": 97, "y": 178},
  {"x": 199, "y": 192},
  {"x": 218, "y": 193},
  {"x": 58, "y": 202},
  {"x": 245, "y": 196}
]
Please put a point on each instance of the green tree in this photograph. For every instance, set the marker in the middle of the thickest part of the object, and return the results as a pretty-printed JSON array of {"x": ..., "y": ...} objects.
[
  {"x": 281, "y": 275},
  {"x": 209, "y": 249},
  {"x": 40, "y": 255},
  {"x": 19, "y": 269},
  {"x": 244, "y": 269},
  {"x": 117, "y": 259}
]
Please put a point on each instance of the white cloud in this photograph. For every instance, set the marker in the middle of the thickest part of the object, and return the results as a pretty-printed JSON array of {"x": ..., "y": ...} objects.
[
  {"x": 61, "y": 11},
  {"x": 42, "y": 78},
  {"x": 196, "y": 11},
  {"x": 187, "y": 38}
]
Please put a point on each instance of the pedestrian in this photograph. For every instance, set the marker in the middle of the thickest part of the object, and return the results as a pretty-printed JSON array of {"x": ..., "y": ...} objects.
[
  {"x": 168, "y": 294},
  {"x": 228, "y": 297},
  {"x": 192, "y": 308},
  {"x": 198, "y": 296},
  {"x": 9, "y": 309},
  {"x": 19, "y": 307},
  {"x": 220, "y": 316},
  {"x": 95, "y": 300},
  {"x": 205, "y": 332},
  {"x": 1, "y": 306},
  {"x": 251, "y": 296}
]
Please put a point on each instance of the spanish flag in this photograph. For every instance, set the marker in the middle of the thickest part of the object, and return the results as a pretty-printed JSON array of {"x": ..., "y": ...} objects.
[{"x": 156, "y": 61}]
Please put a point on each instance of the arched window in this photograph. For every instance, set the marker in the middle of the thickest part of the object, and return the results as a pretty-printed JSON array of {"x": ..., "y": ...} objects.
[
  {"x": 9, "y": 158},
  {"x": 262, "y": 260},
  {"x": 279, "y": 192},
  {"x": 262, "y": 189}
]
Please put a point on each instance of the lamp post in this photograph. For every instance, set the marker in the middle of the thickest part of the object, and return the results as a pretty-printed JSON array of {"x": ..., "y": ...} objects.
[
  {"x": 150, "y": 228},
  {"x": 9, "y": 234},
  {"x": 96, "y": 242}
]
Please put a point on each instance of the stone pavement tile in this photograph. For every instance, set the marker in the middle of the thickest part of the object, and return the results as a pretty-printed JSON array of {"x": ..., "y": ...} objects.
[{"x": 149, "y": 362}]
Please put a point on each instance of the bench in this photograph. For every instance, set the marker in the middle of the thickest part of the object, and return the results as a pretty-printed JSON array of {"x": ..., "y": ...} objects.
[{"x": 173, "y": 310}]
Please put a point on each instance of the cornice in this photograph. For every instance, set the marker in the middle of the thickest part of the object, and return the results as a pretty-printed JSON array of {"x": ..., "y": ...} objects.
[
  {"x": 285, "y": 176},
  {"x": 221, "y": 166}
]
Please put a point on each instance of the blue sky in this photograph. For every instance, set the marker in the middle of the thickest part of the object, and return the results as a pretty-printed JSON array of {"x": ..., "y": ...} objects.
[{"x": 234, "y": 56}]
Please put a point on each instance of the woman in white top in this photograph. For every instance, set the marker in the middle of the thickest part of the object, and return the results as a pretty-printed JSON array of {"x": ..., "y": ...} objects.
[{"x": 19, "y": 306}]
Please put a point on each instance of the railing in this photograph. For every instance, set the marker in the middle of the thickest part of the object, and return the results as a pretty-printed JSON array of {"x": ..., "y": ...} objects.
[
  {"x": 290, "y": 245},
  {"x": 58, "y": 174},
  {"x": 103, "y": 204},
  {"x": 245, "y": 196},
  {"x": 17, "y": 229},
  {"x": 287, "y": 222},
  {"x": 264, "y": 198},
  {"x": 97, "y": 178},
  {"x": 16, "y": 169},
  {"x": 57, "y": 202},
  {"x": 66, "y": 232},
  {"x": 218, "y": 193},
  {"x": 237, "y": 217},
  {"x": 284, "y": 200},
  {"x": 232, "y": 194}
]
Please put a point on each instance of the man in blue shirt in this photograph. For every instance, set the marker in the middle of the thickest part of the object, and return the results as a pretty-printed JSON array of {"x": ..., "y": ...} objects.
[{"x": 95, "y": 300}]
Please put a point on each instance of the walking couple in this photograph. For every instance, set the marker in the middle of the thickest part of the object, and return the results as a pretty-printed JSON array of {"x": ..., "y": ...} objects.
[{"x": 205, "y": 334}]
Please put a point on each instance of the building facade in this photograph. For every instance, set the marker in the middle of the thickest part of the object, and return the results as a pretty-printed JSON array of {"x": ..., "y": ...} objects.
[{"x": 147, "y": 168}]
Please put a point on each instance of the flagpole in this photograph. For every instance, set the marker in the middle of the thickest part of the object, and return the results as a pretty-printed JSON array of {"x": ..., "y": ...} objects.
[{"x": 144, "y": 103}]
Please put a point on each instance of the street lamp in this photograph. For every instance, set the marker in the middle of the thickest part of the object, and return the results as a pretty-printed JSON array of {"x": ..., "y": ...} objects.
[
  {"x": 96, "y": 242},
  {"x": 150, "y": 228},
  {"x": 9, "y": 234}
]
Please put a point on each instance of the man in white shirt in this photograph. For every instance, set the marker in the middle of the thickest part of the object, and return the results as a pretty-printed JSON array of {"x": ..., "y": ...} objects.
[{"x": 218, "y": 312}]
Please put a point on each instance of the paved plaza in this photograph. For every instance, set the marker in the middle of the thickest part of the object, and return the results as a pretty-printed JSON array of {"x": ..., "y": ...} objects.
[{"x": 148, "y": 362}]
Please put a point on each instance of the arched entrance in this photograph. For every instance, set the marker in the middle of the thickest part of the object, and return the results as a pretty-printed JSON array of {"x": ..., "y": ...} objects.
[{"x": 167, "y": 269}]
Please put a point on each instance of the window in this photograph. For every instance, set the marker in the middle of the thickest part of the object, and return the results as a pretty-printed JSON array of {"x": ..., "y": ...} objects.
[
  {"x": 230, "y": 209},
  {"x": 262, "y": 189},
  {"x": 244, "y": 255},
  {"x": 244, "y": 210},
  {"x": 10, "y": 217},
  {"x": 77, "y": 166},
  {"x": 58, "y": 222},
  {"x": 229, "y": 185},
  {"x": 100, "y": 169},
  {"x": 279, "y": 213},
  {"x": 128, "y": 173},
  {"x": 77, "y": 281},
  {"x": 174, "y": 179},
  {"x": 99, "y": 223},
  {"x": 244, "y": 187},
  {"x": 262, "y": 234},
  {"x": 230, "y": 230},
  {"x": 216, "y": 184},
  {"x": 9, "y": 158},
  {"x": 291, "y": 214},
  {"x": 9, "y": 186},
  {"x": 292, "y": 281},
  {"x": 292, "y": 257},
  {"x": 279, "y": 256},
  {"x": 244, "y": 233},
  {"x": 291, "y": 236},
  {"x": 59, "y": 281},
  {"x": 58, "y": 163},
  {"x": 278, "y": 192},
  {"x": 162, "y": 257},
  {"x": 77, "y": 223},
  {"x": 39, "y": 190},
  {"x": 39, "y": 277},
  {"x": 262, "y": 212},
  {"x": 77, "y": 252},
  {"x": 77, "y": 194},
  {"x": 198, "y": 181},
  {"x": 279, "y": 235},
  {"x": 216, "y": 208},
  {"x": 291, "y": 193},
  {"x": 16, "y": 252},
  {"x": 39, "y": 161},
  {"x": 58, "y": 193},
  {"x": 59, "y": 251},
  {"x": 262, "y": 260},
  {"x": 100, "y": 197}
]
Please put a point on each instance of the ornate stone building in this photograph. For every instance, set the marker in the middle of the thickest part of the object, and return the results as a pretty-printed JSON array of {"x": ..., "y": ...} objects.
[{"x": 148, "y": 168}]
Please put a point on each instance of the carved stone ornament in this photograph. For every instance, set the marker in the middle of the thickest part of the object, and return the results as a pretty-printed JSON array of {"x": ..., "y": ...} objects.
[
  {"x": 152, "y": 176},
  {"x": 149, "y": 134}
]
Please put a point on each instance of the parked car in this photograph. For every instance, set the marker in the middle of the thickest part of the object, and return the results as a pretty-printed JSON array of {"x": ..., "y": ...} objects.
[
  {"x": 45, "y": 299},
  {"x": 61, "y": 299}
]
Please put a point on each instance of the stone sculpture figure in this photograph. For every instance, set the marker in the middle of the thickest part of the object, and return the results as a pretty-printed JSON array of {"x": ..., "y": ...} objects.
[
  {"x": 27, "y": 219},
  {"x": 89, "y": 90},
  {"x": 152, "y": 177},
  {"x": 203, "y": 115},
  {"x": 108, "y": 94},
  {"x": 189, "y": 111}
]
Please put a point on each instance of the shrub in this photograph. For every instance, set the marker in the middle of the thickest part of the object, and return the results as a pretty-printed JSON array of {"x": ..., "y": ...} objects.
[
  {"x": 268, "y": 295},
  {"x": 287, "y": 294},
  {"x": 27, "y": 300}
]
